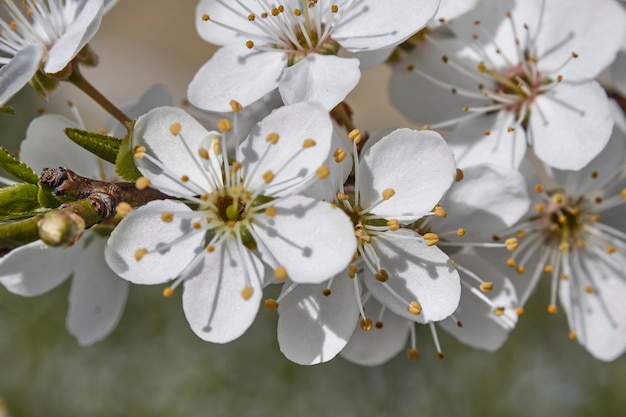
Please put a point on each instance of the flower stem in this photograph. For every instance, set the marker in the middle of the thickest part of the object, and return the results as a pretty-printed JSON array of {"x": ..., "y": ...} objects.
[{"x": 77, "y": 79}]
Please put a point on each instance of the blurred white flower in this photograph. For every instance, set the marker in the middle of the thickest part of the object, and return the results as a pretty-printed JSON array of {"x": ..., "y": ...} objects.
[
  {"x": 293, "y": 46},
  {"x": 517, "y": 75},
  {"x": 246, "y": 218}
]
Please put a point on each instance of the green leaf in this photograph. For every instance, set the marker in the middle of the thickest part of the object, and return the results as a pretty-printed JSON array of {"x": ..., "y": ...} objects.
[
  {"x": 17, "y": 168},
  {"x": 106, "y": 147},
  {"x": 18, "y": 200},
  {"x": 7, "y": 110},
  {"x": 125, "y": 163},
  {"x": 46, "y": 199}
]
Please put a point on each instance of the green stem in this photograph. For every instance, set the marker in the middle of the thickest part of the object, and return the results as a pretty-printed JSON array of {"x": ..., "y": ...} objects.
[{"x": 77, "y": 79}]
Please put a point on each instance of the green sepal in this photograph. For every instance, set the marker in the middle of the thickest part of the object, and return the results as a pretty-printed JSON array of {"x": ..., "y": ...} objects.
[
  {"x": 18, "y": 201},
  {"x": 46, "y": 199},
  {"x": 43, "y": 84},
  {"x": 125, "y": 162},
  {"x": 17, "y": 168},
  {"x": 7, "y": 110},
  {"x": 103, "y": 146}
]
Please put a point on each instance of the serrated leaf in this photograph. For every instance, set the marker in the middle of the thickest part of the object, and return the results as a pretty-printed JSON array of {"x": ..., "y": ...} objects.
[
  {"x": 18, "y": 200},
  {"x": 103, "y": 146},
  {"x": 46, "y": 199},
  {"x": 125, "y": 163},
  {"x": 17, "y": 168},
  {"x": 7, "y": 110}
]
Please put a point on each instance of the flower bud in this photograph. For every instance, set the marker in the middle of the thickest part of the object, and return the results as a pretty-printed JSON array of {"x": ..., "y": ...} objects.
[{"x": 61, "y": 228}]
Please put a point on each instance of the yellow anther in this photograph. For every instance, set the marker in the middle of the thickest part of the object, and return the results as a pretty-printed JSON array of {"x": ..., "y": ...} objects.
[
  {"x": 167, "y": 216},
  {"x": 388, "y": 193},
  {"x": 520, "y": 269},
  {"x": 414, "y": 308},
  {"x": 538, "y": 188},
  {"x": 382, "y": 275},
  {"x": 249, "y": 44},
  {"x": 499, "y": 311},
  {"x": 334, "y": 8},
  {"x": 574, "y": 55},
  {"x": 168, "y": 292},
  {"x": 138, "y": 151},
  {"x": 413, "y": 354},
  {"x": 393, "y": 225},
  {"x": 352, "y": 270},
  {"x": 184, "y": 178},
  {"x": 139, "y": 253},
  {"x": 431, "y": 239},
  {"x": 326, "y": 292},
  {"x": 341, "y": 196},
  {"x": 487, "y": 133},
  {"x": 511, "y": 243},
  {"x": 366, "y": 323},
  {"x": 297, "y": 12},
  {"x": 458, "y": 176},
  {"x": 142, "y": 183},
  {"x": 559, "y": 78},
  {"x": 441, "y": 355},
  {"x": 594, "y": 174},
  {"x": 203, "y": 153},
  {"x": 235, "y": 106},
  {"x": 275, "y": 11},
  {"x": 564, "y": 247},
  {"x": 339, "y": 155},
  {"x": 272, "y": 138},
  {"x": 511, "y": 262},
  {"x": 440, "y": 211},
  {"x": 623, "y": 193},
  {"x": 486, "y": 286},
  {"x": 206, "y": 17},
  {"x": 247, "y": 292},
  {"x": 589, "y": 289},
  {"x": 610, "y": 249},
  {"x": 521, "y": 234},
  {"x": 308, "y": 143},
  {"x": 378, "y": 325},
  {"x": 519, "y": 311},
  {"x": 268, "y": 177},
  {"x": 572, "y": 335},
  {"x": 271, "y": 304},
  {"x": 558, "y": 198},
  {"x": 510, "y": 129},
  {"x": 561, "y": 219},
  {"x": 123, "y": 209},
  {"x": 224, "y": 125},
  {"x": 355, "y": 135},
  {"x": 580, "y": 243},
  {"x": 210, "y": 248},
  {"x": 594, "y": 218},
  {"x": 280, "y": 273},
  {"x": 540, "y": 208},
  {"x": 552, "y": 309},
  {"x": 251, "y": 17},
  {"x": 322, "y": 172},
  {"x": 197, "y": 225},
  {"x": 460, "y": 232},
  {"x": 217, "y": 147},
  {"x": 270, "y": 211},
  {"x": 564, "y": 277},
  {"x": 175, "y": 128}
]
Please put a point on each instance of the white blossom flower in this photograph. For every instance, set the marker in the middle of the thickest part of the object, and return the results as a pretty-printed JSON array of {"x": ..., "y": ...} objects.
[
  {"x": 292, "y": 46},
  {"x": 517, "y": 75},
  {"x": 397, "y": 181},
  {"x": 576, "y": 236},
  {"x": 44, "y": 35},
  {"x": 246, "y": 216}
]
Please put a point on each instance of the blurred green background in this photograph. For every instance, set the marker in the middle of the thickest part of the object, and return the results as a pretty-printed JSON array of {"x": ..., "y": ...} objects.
[{"x": 153, "y": 365}]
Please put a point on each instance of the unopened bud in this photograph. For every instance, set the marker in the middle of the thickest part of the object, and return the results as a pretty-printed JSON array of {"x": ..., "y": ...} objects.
[{"x": 61, "y": 228}]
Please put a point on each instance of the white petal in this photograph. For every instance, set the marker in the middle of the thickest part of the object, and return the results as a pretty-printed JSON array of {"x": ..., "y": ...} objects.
[
  {"x": 292, "y": 165},
  {"x": 311, "y": 239},
  {"x": 313, "y": 328},
  {"x": 235, "y": 72},
  {"x": 416, "y": 273},
  {"x": 234, "y": 15},
  {"x": 374, "y": 24},
  {"x": 77, "y": 34},
  {"x": 97, "y": 296},
  {"x": 618, "y": 72},
  {"x": 368, "y": 59},
  {"x": 212, "y": 294},
  {"x": 417, "y": 165},
  {"x": 377, "y": 346},
  {"x": 178, "y": 154},
  {"x": 451, "y": 9},
  {"x": 471, "y": 146},
  {"x": 573, "y": 125},
  {"x": 481, "y": 327},
  {"x": 17, "y": 73},
  {"x": 489, "y": 199},
  {"x": 599, "y": 318},
  {"x": 46, "y": 146},
  {"x": 144, "y": 229},
  {"x": 324, "y": 78},
  {"x": 36, "y": 268}
]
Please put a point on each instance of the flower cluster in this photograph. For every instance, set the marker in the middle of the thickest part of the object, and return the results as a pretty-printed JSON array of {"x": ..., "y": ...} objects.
[{"x": 270, "y": 194}]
